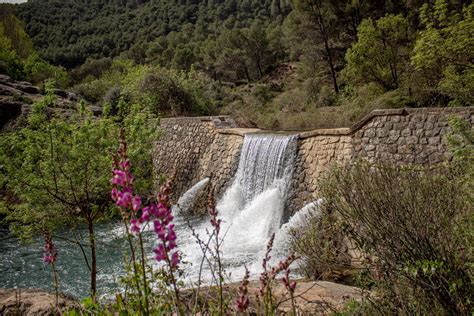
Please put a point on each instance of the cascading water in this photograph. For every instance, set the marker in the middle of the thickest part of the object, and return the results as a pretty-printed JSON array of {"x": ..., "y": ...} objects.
[
  {"x": 307, "y": 212},
  {"x": 186, "y": 201},
  {"x": 254, "y": 204},
  {"x": 252, "y": 208}
]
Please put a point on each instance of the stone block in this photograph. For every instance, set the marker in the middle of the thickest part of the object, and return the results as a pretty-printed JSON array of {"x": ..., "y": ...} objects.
[
  {"x": 369, "y": 133},
  {"x": 369, "y": 147},
  {"x": 434, "y": 140},
  {"x": 419, "y": 132},
  {"x": 406, "y": 132},
  {"x": 401, "y": 141},
  {"x": 431, "y": 118},
  {"x": 381, "y": 132},
  {"x": 411, "y": 140}
]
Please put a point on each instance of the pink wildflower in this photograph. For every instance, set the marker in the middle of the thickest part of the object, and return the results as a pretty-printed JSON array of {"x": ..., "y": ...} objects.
[
  {"x": 124, "y": 199},
  {"x": 160, "y": 214},
  {"x": 134, "y": 225},
  {"x": 50, "y": 254},
  {"x": 174, "y": 259},
  {"x": 215, "y": 222},
  {"x": 145, "y": 218},
  {"x": 242, "y": 303},
  {"x": 136, "y": 203}
]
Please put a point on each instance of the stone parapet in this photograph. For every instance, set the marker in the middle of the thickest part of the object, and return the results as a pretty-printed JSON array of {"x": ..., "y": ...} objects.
[{"x": 199, "y": 147}]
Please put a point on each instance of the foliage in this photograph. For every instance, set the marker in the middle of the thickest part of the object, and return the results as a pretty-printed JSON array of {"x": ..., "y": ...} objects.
[
  {"x": 461, "y": 144},
  {"x": 18, "y": 58},
  {"x": 205, "y": 57},
  {"x": 169, "y": 32},
  {"x": 38, "y": 70},
  {"x": 444, "y": 49},
  {"x": 156, "y": 89},
  {"x": 10, "y": 63},
  {"x": 14, "y": 30},
  {"x": 56, "y": 166},
  {"x": 381, "y": 52},
  {"x": 321, "y": 246},
  {"x": 417, "y": 243},
  {"x": 91, "y": 69}
]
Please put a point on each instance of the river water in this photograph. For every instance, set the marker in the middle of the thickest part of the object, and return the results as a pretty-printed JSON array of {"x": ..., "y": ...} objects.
[{"x": 251, "y": 210}]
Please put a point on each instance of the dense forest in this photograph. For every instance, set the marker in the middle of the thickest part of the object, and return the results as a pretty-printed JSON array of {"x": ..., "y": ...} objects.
[
  {"x": 271, "y": 64},
  {"x": 281, "y": 62}
]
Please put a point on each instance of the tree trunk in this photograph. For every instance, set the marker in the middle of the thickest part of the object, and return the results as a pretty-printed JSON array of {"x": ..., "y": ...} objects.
[
  {"x": 259, "y": 67},
  {"x": 90, "y": 227},
  {"x": 247, "y": 73},
  {"x": 331, "y": 66},
  {"x": 324, "y": 33}
]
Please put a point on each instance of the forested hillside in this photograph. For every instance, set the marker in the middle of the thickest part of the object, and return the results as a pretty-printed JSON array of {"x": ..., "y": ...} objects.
[
  {"x": 280, "y": 62},
  {"x": 68, "y": 33}
]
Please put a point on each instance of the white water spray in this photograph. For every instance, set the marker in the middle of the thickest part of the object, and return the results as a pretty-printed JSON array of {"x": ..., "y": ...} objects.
[
  {"x": 298, "y": 219},
  {"x": 187, "y": 200},
  {"x": 252, "y": 207}
]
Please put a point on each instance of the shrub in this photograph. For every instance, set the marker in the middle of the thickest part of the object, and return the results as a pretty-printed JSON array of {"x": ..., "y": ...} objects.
[
  {"x": 320, "y": 246},
  {"x": 38, "y": 71},
  {"x": 262, "y": 93},
  {"x": 93, "y": 67},
  {"x": 164, "y": 94},
  {"x": 417, "y": 225},
  {"x": 93, "y": 91}
]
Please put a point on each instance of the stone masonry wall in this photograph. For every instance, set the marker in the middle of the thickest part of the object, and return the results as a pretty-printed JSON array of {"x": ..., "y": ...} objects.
[
  {"x": 406, "y": 136},
  {"x": 400, "y": 136},
  {"x": 221, "y": 159},
  {"x": 317, "y": 152},
  {"x": 194, "y": 148},
  {"x": 185, "y": 150},
  {"x": 210, "y": 147}
]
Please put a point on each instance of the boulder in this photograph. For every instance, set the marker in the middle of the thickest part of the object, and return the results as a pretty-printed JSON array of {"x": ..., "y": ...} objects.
[
  {"x": 16, "y": 98},
  {"x": 32, "y": 302}
]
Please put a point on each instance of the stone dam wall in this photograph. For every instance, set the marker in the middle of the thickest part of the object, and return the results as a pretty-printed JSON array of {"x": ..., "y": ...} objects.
[
  {"x": 194, "y": 148},
  {"x": 199, "y": 147}
]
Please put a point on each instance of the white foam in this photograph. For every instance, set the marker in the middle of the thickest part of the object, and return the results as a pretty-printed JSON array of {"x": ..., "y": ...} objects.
[
  {"x": 251, "y": 209},
  {"x": 187, "y": 199}
]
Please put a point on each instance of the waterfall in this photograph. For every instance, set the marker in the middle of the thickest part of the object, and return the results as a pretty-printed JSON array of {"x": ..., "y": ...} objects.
[
  {"x": 254, "y": 204},
  {"x": 186, "y": 201},
  {"x": 310, "y": 210},
  {"x": 264, "y": 160},
  {"x": 252, "y": 207}
]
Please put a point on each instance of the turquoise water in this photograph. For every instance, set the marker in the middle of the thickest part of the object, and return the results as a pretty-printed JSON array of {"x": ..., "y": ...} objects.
[
  {"x": 251, "y": 210},
  {"x": 21, "y": 264}
]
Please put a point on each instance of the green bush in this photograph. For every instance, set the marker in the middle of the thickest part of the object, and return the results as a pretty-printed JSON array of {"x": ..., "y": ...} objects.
[
  {"x": 38, "y": 71},
  {"x": 321, "y": 246},
  {"x": 416, "y": 225}
]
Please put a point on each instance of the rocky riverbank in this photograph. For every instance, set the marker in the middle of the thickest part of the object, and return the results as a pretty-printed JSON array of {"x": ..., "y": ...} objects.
[
  {"x": 17, "y": 97},
  {"x": 312, "y": 298},
  {"x": 32, "y": 302}
]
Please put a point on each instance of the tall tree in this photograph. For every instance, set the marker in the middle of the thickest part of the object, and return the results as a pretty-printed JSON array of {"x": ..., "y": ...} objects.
[
  {"x": 319, "y": 27},
  {"x": 381, "y": 52},
  {"x": 59, "y": 170},
  {"x": 444, "y": 50}
]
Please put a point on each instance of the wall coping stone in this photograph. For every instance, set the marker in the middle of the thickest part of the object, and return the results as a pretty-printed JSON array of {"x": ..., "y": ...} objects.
[
  {"x": 238, "y": 131},
  {"x": 220, "y": 121},
  {"x": 325, "y": 132}
]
